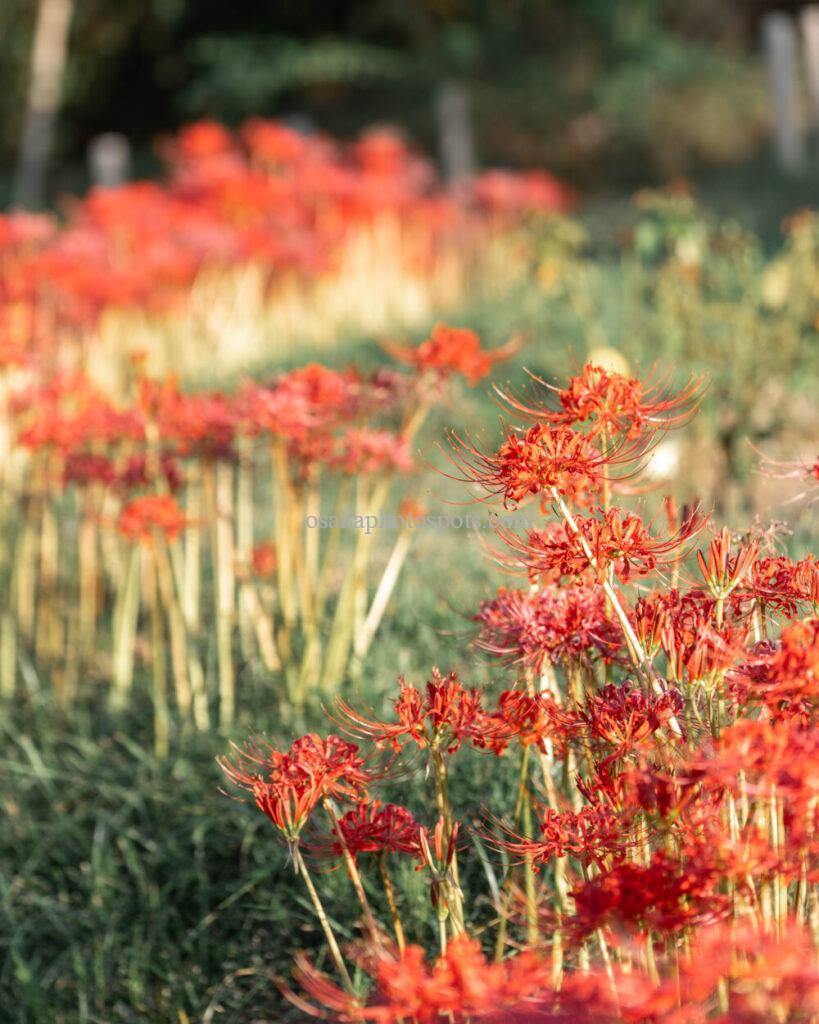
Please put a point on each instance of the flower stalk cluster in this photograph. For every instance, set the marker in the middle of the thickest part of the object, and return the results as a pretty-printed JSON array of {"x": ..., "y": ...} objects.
[
  {"x": 187, "y": 521},
  {"x": 658, "y": 860}
]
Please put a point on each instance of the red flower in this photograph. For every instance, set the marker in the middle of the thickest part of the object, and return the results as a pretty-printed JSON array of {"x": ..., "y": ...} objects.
[
  {"x": 591, "y": 834},
  {"x": 199, "y": 424},
  {"x": 786, "y": 679},
  {"x": 540, "y": 461},
  {"x": 667, "y": 895},
  {"x": 508, "y": 192},
  {"x": 142, "y": 518},
  {"x": 613, "y": 404},
  {"x": 84, "y": 468},
  {"x": 69, "y": 413},
  {"x": 273, "y": 143},
  {"x": 625, "y": 718},
  {"x": 287, "y": 786},
  {"x": 780, "y": 758},
  {"x": 445, "y": 715},
  {"x": 709, "y": 653},
  {"x": 764, "y": 977},
  {"x": 373, "y": 451},
  {"x": 462, "y": 985},
  {"x": 777, "y": 583},
  {"x": 549, "y": 625},
  {"x": 139, "y": 472},
  {"x": 723, "y": 571},
  {"x": 618, "y": 539},
  {"x": 303, "y": 407},
  {"x": 452, "y": 350},
  {"x": 530, "y": 719},
  {"x": 263, "y": 559},
  {"x": 683, "y": 626},
  {"x": 371, "y": 827},
  {"x": 203, "y": 139}
]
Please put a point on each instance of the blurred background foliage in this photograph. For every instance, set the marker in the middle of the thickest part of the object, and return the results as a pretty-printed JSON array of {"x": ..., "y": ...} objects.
[{"x": 605, "y": 93}]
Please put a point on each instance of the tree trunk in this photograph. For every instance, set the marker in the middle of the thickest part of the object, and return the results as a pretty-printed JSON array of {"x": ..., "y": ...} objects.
[{"x": 48, "y": 57}]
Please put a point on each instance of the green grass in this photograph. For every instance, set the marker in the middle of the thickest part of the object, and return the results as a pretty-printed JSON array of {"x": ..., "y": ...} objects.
[{"x": 133, "y": 890}]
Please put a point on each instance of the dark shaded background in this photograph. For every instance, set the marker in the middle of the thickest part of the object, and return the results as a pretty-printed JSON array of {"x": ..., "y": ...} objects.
[{"x": 614, "y": 93}]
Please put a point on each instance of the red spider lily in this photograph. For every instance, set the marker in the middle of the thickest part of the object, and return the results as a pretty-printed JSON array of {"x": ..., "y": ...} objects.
[
  {"x": 384, "y": 153},
  {"x": 618, "y": 540},
  {"x": 804, "y": 583},
  {"x": 330, "y": 392},
  {"x": 779, "y": 584},
  {"x": 203, "y": 139},
  {"x": 330, "y": 763},
  {"x": 685, "y": 615},
  {"x": 287, "y": 786},
  {"x": 520, "y": 557},
  {"x": 385, "y": 389},
  {"x": 613, "y": 404},
  {"x": 770, "y": 757},
  {"x": 410, "y": 510},
  {"x": 709, "y": 653},
  {"x": 765, "y": 977},
  {"x": 373, "y": 827},
  {"x": 20, "y": 228},
  {"x": 69, "y": 413},
  {"x": 652, "y": 616},
  {"x": 439, "y": 855},
  {"x": 263, "y": 559},
  {"x": 721, "y": 571},
  {"x": 442, "y": 717},
  {"x": 768, "y": 976},
  {"x": 461, "y": 985},
  {"x": 625, "y": 718},
  {"x": 142, "y": 518},
  {"x": 373, "y": 451},
  {"x": 301, "y": 403},
  {"x": 272, "y": 142},
  {"x": 785, "y": 679},
  {"x": 798, "y": 655},
  {"x": 591, "y": 834},
  {"x": 683, "y": 626},
  {"x": 770, "y": 583},
  {"x": 140, "y": 471},
  {"x": 452, "y": 350},
  {"x": 540, "y": 461},
  {"x": 666, "y": 895},
  {"x": 271, "y": 196},
  {"x": 85, "y": 468},
  {"x": 530, "y": 719},
  {"x": 749, "y": 855},
  {"x": 638, "y": 786},
  {"x": 548, "y": 625},
  {"x": 793, "y": 470},
  {"x": 197, "y": 424},
  {"x": 505, "y": 192}
]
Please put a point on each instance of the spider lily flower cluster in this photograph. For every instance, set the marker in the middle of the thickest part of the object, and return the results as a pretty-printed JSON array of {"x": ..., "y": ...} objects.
[
  {"x": 178, "y": 510},
  {"x": 259, "y": 238},
  {"x": 657, "y": 858}
]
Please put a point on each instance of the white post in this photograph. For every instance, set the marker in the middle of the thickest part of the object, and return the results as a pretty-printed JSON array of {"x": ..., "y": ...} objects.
[
  {"x": 457, "y": 145},
  {"x": 781, "y": 53},
  {"x": 48, "y": 57},
  {"x": 810, "y": 35},
  {"x": 109, "y": 159}
]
